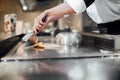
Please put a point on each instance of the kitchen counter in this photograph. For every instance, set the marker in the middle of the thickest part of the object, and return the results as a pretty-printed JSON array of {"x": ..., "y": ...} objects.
[
  {"x": 54, "y": 51},
  {"x": 51, "y": 51},
  {"x": 80, "y": 69},
  {"x": 59, "y": 62}
]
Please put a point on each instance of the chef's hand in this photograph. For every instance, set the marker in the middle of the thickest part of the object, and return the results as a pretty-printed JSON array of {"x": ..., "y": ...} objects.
[
  {"x": 40, "y": 22},
  {"x": 50, "y": 15},
  {"x": 43, "y": 19}
]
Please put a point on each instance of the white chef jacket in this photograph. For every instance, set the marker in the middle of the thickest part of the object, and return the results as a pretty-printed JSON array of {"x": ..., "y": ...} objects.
[{"x": 100, "y": 11}]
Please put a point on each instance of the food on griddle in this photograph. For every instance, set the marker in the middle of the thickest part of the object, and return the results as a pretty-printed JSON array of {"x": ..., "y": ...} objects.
[
  {"x": 39, "y": 45},
  {"x": 33, "y": 39}
]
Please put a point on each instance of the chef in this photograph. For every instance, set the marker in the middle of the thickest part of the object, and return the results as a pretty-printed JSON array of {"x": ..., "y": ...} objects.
[{"x": 106, "y": 13}]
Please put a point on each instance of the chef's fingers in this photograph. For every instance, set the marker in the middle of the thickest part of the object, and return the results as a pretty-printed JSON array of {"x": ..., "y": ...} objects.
[
  {"x": 37, "y": 29},
  {"x": 41, "y": 19},
  {"x": 40, "y": 22},
  {"x": 40, "y": 28}
]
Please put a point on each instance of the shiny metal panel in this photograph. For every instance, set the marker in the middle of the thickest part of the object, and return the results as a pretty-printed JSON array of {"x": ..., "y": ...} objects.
[
  {"x": 51, "y": 51},
  {"x": 80, "y": 69}
]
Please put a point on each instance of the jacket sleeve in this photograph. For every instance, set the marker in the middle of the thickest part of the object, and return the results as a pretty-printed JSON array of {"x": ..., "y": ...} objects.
[{"x": 79, "y": 6}]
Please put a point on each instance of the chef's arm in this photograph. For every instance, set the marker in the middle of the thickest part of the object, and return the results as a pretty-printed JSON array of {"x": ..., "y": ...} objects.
[
  {"x": 52, "y": 14},
  {"x": 55, "y": 13},
  {"x": 58, "y": 12}
]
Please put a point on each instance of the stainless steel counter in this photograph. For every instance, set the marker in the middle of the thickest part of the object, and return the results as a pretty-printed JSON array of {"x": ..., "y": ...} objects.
[
  {"x": 59, "y": 62},
  {"x": 54, "y": 51},
  {"x": 51, "y": 51},
  {"x": 73, "y": 69}
]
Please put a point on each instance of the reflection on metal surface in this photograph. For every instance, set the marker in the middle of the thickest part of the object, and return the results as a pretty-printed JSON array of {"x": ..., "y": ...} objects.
[
  {"x": 68, "y": 38},
  {"x": 69, "y": 49},
  {"x": 55, "y": 51},
  {"x": 87, "y": 69},
  {"x": 52, "y": 51},
  {"x": 76, "y": 73}
]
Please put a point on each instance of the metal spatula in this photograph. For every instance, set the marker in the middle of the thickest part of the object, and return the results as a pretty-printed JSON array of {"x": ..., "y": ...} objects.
[
  {"x": 30, "y": 37},
  {"x": 27, "y": 36}
]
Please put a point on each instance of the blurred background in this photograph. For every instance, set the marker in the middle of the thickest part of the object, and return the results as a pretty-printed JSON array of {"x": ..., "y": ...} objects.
[{"x": 27, "y": 10}]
